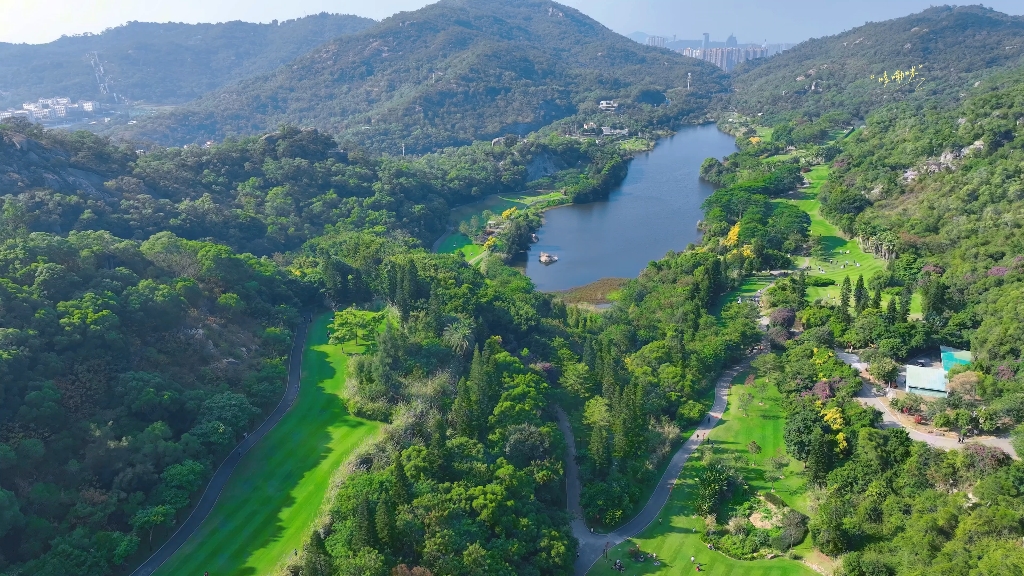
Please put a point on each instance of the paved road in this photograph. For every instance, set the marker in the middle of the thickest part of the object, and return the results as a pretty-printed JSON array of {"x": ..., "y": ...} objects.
[
  {"x": 869, "y": 397},
  {"x": 220, "y": 478},
  {"x": 592, "y": 546}
]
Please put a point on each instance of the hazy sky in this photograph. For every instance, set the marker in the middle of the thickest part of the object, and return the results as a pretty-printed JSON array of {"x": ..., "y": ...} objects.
[{"x": 751, "y": 20}]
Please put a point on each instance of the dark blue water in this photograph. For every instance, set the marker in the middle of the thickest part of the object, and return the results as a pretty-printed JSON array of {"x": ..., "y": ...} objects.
[{"x": 656, "y": 209}]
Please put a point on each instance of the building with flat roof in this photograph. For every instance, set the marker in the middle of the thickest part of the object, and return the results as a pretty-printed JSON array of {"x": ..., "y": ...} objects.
[
  {"x": 926, "y": 381},
  {"x": 932, "y": 380},
  {"x": 954, "y": 357}
]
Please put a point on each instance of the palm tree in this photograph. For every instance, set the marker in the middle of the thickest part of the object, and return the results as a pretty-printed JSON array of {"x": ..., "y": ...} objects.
[{"x": 458, "y": 336}]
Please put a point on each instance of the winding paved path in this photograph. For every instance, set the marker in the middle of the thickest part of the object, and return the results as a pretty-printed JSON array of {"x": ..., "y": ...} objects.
[
  {"x": 592, "y": 546},
  {"x": 869, "y": 397},
  {"x": 220, "y": 478}
]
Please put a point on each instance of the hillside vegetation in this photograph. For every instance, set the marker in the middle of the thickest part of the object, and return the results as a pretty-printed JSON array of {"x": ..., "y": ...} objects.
[
  {"x": 168, "y": 63},
  {"x": 932, "y": 188},
  {"x": 448, "y": 74},
  {"x": 948, "y": 47},
  {"x": 271, "y": 193}
]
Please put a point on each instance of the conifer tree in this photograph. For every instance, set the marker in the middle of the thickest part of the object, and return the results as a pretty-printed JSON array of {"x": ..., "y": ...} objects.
[
  {"x": 844, "y": 300},
  {"x": 438, "y": 448},
  {"x": 401, "y": 487},
  {"x": 316, "y": 561},
  {"x": 463, "y": 412},
  {"x": 892, "y": 312},
  {"x": 906, "y": 296},
  {"x": 819, "y": 460},
  {"x": 363, "y": 529},
  {"x": 384, "y": 522},
  {"x": 860, "y": 295},
  {"x": 876, "y": 297}
]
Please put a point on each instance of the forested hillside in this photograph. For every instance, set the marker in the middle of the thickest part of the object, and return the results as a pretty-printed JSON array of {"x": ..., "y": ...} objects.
[
  {"x": 931, "y": 189},
  {"x": 943, "y": 199},
  {"x": 271, "y": 193},
  {"x": 148, "y": 301},
  {"x": 934, "y": 55},
  {"x": 451, "y": 73},
  {"x": 120, "y": 266},
  {"x": 160, "y": 63}
]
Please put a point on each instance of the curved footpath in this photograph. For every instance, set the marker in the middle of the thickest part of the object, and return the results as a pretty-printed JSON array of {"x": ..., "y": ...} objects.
[
  {"x": 869, "y": 397},
  {"x": 592, "y": 546},
  {"x": 220, "y": 478}
]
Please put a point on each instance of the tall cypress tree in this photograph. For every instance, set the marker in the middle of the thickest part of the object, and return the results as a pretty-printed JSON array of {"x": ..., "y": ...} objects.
[
  {"x": 363, "y": 530},
  {"x": 860, "y": 295},
  {"x": 800, "y": 284},
  {"x": 906, "y": 296},
  {"x": 438, "y": 441},
  {"x": 400, "y": 485},
  {"x": 876, "y": 297},
  {"x": 316, "y": 561},
  {"x": 384, "y": 522},
  {"x": 844, "y": 299},
  {"x": 819, "y": 460},
  {"x": 463, "y": 412},
  {"x": 892, "y": 313}
]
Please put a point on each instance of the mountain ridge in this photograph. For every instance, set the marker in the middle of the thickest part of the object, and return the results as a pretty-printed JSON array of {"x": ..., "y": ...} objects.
[
  {"x": 948, "y": 47},
  {"x": 447, "y": 74},
  {"x": 165, "y": 63}
]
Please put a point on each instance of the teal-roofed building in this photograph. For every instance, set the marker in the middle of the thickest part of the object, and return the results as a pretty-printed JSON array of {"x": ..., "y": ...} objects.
[
  {"x": 953, "y": 357},
  {"x": 926, "y": 381},
  {"x": 929, "y": 381}
]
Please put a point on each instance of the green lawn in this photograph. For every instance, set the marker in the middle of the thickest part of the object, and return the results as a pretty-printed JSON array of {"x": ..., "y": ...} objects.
[
  {"x": 750, "y": 286},
  {"x": 459, "y": 241},
  {"x": 275, "y": 494},
  {"x": 675, "y": 541},
  {"x": 837, "y": 247},
  {"x": 496, "y": 203}
]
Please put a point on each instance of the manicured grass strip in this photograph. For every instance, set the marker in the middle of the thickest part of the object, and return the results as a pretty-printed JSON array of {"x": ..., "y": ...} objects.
[
  {"x": 677, "y": 538},
  {"x": 837, "y": 247},
  {"x": 275, "y": 494},
  {"x": 496, "y": 203},
  {"x": 749, "y": 287},
  {"x": 459, "y": 241}
]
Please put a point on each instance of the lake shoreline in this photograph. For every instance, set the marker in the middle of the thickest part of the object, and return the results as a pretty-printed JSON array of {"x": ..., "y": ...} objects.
[{"x": 654, "y": 210}]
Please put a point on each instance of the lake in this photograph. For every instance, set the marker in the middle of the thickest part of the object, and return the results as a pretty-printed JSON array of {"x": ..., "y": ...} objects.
[{"x": 654, "y": 210}]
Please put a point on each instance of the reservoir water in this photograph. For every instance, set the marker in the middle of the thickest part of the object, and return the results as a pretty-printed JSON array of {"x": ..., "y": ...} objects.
[{"x": 654, "y": 210}]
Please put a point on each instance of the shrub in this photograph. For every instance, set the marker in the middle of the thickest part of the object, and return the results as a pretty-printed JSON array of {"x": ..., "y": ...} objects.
[
  {"x": 784, "y": 317},
  {"x": 778, "y": 336},
  {"x": 943, "y": 420}
]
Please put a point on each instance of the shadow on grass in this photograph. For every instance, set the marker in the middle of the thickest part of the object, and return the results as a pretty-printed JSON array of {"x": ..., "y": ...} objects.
[{"x": 247, "y": 517}]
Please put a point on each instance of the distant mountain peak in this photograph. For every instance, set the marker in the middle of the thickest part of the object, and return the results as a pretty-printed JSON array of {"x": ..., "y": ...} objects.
[{"x": 448, "y": 74}]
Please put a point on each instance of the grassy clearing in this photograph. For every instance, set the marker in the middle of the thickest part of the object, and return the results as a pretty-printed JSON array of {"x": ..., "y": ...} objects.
[
  {"x": 637, "y": 145},
  {"x": 677, "y": 538},
  {"x": 495, "y": 203},
  {"x": 837, "y": 246},
  {"x": 498, "y": 203},
  {"x": 749, "y": 287},
  {"x": 459, "y": 241},
  {"x": 277, "y": 491},
  {"x": 603, "y": 291}
]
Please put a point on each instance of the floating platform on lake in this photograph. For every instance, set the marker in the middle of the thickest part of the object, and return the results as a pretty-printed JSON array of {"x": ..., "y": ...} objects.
[{"x": 546, "y": 258}]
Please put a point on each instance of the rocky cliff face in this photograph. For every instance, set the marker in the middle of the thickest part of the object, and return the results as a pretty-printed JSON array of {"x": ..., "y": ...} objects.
[{"x": 27, "y": 164}]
